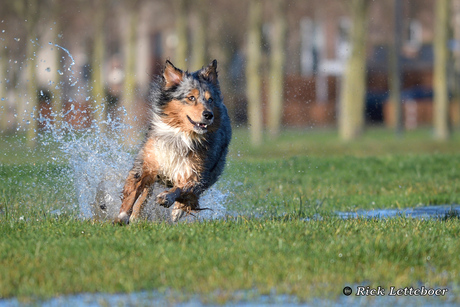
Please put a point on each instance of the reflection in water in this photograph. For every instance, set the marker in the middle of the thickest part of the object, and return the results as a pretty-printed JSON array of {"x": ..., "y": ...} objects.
[
  {"x": 248, "y": 298},
  {"x": 442, "y": 211}
]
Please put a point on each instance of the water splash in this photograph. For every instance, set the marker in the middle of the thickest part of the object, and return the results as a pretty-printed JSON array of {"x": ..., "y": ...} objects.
[
  {"x": 99, "y": 152},
  {"x": 68, "y": 53},
  {"x": 99, "y": 165}
]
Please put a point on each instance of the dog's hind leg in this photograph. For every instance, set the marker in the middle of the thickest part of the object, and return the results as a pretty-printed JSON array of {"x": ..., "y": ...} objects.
[
  {"x": 138, "y": 204},
  {"x": 133, "y": 188}
]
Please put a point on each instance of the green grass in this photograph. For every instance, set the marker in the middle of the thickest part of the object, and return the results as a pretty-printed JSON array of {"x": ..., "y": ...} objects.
[
  {"x": 325, "y": 143},
  {"x": 51, "y": 257},
  {"x": 345, "y": 183},
  {"x": 269, "y": 247}
]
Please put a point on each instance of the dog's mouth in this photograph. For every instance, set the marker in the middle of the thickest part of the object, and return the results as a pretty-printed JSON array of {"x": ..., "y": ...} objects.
[{"x": 198, "y": 127}]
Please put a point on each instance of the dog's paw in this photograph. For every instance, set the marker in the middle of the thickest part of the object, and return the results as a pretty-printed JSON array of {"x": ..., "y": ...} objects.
[
  {"x": 177, "y": 213},
  {"x": 133, "y": 219},
  {"x": 122, "y": 219},
  {"x": 167, "y": 198}
]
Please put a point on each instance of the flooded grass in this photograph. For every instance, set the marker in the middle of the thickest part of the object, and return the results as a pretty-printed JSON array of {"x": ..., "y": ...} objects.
[
  {"x": 287, "y": 255},
  {"x": 271, "y": 242}
]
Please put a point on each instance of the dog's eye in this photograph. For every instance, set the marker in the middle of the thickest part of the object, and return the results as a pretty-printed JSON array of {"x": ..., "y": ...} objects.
[
  {"x": 210, "y": 100},
  {"x": 191, "y": 98}
]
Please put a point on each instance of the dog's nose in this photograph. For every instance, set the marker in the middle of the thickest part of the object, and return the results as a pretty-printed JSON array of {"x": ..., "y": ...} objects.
[{"x": 208, "y": 115}]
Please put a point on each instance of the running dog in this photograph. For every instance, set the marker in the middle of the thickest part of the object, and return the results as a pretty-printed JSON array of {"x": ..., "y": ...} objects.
[{"x": 186, "y": 144}]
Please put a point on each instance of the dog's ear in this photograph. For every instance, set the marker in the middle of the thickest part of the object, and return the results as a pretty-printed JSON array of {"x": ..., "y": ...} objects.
[
  {"x": 172, "y": 75},
  {"x": 210, "y": 72}
]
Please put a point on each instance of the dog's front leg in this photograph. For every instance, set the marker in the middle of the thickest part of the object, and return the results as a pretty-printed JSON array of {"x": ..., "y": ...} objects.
[
  {"x": 180, "y": 191},
  {"x": 167, "y": 198},
  {"x": 187, "y": 201}
]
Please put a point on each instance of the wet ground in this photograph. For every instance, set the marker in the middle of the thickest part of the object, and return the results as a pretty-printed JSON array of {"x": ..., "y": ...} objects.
[
  {"x": 251, "y": 298},
  {"x": 243, "y": 298},
  {"x": 440, "y": 211}
]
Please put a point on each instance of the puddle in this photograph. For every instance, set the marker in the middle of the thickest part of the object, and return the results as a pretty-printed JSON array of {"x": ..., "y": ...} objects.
[
  {"x": 428, "y": 212},
  {"x": 240, "y": 298}
]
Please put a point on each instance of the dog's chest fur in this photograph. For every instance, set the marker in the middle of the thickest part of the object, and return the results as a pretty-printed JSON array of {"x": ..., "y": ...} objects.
[{"x": 176, "y": 156}]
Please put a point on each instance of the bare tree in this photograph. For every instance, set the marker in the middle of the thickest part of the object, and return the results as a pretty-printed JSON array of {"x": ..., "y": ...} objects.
[
  {"x": 441, "y": 54},
  {"x": 277, "y": 61},
  {"x": 57, "y": 92},
  {"x": 456, "y": 56},
  {"x": 130, "y": 44},
  {"x": 3, "y": 91},
  {"x": 28, "y": 10},
  {"x": 351, "y": 115},
  {"x": 181, "y": 33},
  {"x": 395, "y": 68},
  {"x": 199, "y": 56},
  {"x": 31, "y": 9},
  {"x": 3, "y": 75},
  {"x": 227, "y": 30},
  {"x": 253, "y": 79},
  {"x": 98, "y": 93}
]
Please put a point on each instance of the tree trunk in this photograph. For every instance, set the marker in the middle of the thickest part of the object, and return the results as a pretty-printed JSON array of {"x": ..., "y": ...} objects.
[
  {"x": 32, "y": 105},
  {"x": 3, "y": 90},
  {"x": 222, "y": 49},
  {"x": 182, "y": 36},
  {"x": 129, "y": 85},
  {"x": 57, "y": 90},
  {"x": 351, "y": 116},
  {"x": 253, "y": 79},
  {"x": 395, "y": 69},
  {"x": 277, "y": 60},
  {"x": 441, "y": 96},
  {"x": 456, "y": 58},
  {"x": 199, "y": 56},
  {"x": 97, "y": 78}
]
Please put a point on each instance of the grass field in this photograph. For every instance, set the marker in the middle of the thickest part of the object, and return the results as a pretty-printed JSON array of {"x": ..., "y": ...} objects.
[{"x": 267, "y": 245}]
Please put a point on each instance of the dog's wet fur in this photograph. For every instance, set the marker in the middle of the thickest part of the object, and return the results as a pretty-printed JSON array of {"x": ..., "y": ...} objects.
[{"x": 186, "y": 145}]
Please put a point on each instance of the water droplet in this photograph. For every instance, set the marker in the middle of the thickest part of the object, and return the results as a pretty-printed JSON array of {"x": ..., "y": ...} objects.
[
  {"x": 17, "y": 39},
  {"x": 60, "y": 72},
  {"x": 48, "y": 69}
]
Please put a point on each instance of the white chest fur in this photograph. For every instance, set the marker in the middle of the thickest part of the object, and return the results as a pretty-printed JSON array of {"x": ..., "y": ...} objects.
[
  {"x": 174, "y": 165},
  {"x": 174, "y": 152}
]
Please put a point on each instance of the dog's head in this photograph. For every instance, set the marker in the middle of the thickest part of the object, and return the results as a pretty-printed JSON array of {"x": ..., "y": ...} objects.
[{"x": 190, "y": 101}]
